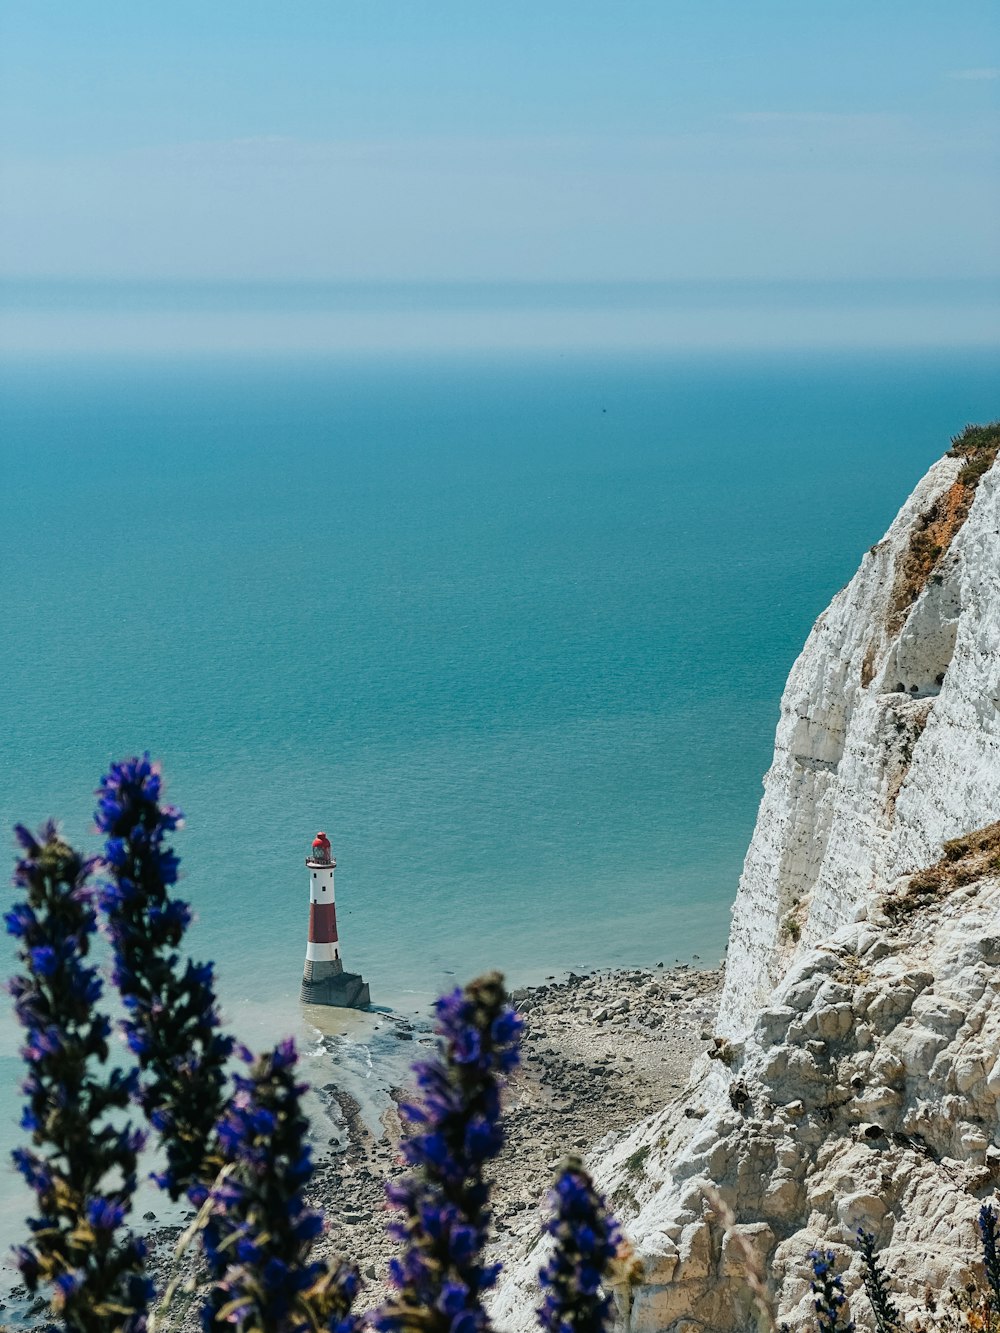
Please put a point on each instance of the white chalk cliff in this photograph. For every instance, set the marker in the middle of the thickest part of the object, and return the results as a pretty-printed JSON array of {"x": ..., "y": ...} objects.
[
  {"x": 888, "y": 743},
  {"x": 857, "y": 1070}
]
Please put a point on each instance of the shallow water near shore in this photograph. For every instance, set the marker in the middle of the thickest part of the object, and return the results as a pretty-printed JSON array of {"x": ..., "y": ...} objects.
[{"x": 512, "y": 630}]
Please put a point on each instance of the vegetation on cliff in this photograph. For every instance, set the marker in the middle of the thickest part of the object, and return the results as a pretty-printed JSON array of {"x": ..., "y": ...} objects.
[{"x": 938, "y": 526}]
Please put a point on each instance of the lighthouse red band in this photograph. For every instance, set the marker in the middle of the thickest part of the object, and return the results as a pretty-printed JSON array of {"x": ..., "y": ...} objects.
[{"x": 323, "y": 945}]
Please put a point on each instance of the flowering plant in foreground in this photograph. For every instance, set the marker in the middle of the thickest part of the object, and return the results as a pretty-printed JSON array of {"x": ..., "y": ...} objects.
[
  {"x": 454, "y": 1131},
  {"x": 587, "y": 1241},
  {"x": 173, "y": 1023},
  {"x": 987, "y": 1223},
  {"x": 887, "y": 1317},
  {"x": 83, "y": 1172},
  {"x": 258, "y": 1230},
  {"x": 828, "y": 1294}
]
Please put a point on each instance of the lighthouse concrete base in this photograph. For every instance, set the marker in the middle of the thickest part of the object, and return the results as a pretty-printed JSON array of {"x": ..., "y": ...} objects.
[{"x": 321, "y": 984}]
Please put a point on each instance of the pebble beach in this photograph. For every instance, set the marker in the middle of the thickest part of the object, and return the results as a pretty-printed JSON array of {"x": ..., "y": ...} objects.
[{"x": 600, "y": 1051}]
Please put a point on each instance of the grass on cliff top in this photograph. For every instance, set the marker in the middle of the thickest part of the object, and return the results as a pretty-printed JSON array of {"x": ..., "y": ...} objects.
[
  {"x": 965, "y": 860},
  {"x": 978, "y": 445},
  {"x": 936, "y": 529}
]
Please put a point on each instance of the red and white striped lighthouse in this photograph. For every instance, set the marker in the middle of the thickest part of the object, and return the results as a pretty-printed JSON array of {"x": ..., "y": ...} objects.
[
  {"x": 324, "y": 980},
  {"x": 323, "y": 946}
]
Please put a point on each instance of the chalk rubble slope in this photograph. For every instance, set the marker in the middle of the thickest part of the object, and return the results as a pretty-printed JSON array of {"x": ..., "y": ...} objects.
[
  {"x": 866, "y": 1094},
  {"x": 860, "y": 1074}
]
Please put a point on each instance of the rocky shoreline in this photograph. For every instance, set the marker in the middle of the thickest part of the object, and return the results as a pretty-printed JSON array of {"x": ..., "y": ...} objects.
[{"x": 600, "y": 1052}]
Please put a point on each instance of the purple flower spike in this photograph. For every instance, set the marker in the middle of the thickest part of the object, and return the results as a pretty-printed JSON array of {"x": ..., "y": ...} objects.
[
  {"x": 587, "y": 1240},
  {"x": 454, "y": 1131},
  {"x": 82, "y": 1165},
  {"x": 260, "y": 1233},
  {"x": 828, "y": 1294},
  {"x": 172, "y": 1026}
]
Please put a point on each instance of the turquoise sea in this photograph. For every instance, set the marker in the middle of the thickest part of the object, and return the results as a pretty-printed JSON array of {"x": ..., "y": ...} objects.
[{"x": 510, "y": 624}]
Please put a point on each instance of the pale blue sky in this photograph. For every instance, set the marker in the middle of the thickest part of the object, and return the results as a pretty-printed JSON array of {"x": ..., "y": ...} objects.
[{"x": 453, "y": 139}]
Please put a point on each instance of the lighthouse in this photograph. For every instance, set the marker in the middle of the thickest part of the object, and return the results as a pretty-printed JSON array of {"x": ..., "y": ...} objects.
[{"x": 324, "y": 980}]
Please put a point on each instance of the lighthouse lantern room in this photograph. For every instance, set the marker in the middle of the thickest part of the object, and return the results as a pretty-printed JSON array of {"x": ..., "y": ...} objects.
[{"x": 324, "y": 980}]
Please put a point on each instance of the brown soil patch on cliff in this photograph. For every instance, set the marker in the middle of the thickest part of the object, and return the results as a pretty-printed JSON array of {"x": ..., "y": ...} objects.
[
  {"x": 936, "y": 529},
  {"x": 965, "y": 860},
  {"x": 910, "y": 721},
  {"x": 868, "y": 665}
]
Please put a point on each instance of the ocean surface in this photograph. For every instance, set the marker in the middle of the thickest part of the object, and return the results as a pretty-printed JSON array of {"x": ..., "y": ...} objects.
[{"x": 510, "y": 625}]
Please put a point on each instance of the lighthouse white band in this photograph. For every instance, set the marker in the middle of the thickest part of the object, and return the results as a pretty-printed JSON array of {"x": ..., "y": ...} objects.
[{"x": 322, "y": 953}]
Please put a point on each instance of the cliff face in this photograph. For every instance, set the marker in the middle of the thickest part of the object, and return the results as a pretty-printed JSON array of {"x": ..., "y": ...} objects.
[
  {"x": 889, "y": 738},
  {"x": 857, "y": 1071}
]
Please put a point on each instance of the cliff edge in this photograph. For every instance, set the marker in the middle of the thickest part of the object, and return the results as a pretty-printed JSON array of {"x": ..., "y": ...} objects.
[
  {"x": 855, "y": 1077},
  {"x": 889, "y": 739}
]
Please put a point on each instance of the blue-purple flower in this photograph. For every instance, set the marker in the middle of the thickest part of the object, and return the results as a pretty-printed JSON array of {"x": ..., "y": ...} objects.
[
  {"x": 172, "y": 1026},
  {"x": 587, "y": 1240},
  {"x": 82, "y": 1165},
  {"x": 454, "y": 1130},
  {"x": 259, "y": 1232},
  {"x": 828, "y": 1294},
  {"x": 987, "y": 1222}
]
